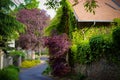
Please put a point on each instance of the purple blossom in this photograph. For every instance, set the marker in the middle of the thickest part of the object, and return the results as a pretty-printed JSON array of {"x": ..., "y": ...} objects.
[
  {"x": 58, "y": 48},
  {"x": 35, "y": 20}
]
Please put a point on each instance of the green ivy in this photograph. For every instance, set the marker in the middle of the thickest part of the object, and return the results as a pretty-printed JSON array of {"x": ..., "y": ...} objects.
[{"x": 64, "y": 21}]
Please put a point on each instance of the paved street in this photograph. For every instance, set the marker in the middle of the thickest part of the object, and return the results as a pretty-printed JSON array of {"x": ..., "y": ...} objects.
[{"x": 35, "y": 73}]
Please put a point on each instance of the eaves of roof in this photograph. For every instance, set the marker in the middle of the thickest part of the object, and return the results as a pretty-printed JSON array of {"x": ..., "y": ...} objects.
[{"x": 91, "y": 20}]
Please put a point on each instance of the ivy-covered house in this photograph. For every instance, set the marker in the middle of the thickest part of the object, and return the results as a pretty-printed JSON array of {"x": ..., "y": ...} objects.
[{"x": 106, "y": 11}]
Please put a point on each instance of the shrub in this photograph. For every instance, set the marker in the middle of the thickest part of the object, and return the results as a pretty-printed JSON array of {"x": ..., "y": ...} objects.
[
  {"x": 108, "y": 47},
  {"x": 86, "y": 33},
  {"x": 77, "y": 37},
  {"x": 47, "y": 70},
  {"x": 117, "y": 21},
  {"x": 96, "y": 46},
  {"x": 116, "y": 37},
  {"x": 9, "y": 74},
  {"x": 30, "y": 63},
  {"x": 103, "y": 46},
  {"x": 83, "y": 53},
  {"x": 13, "y": 67},
  {"x": 97, "y": 43},
  {"x": 17, "y": 53},
  {"x": 115, "y": 57},
  {"x": 74, "y": 49},
  {"x": 58, "y": 47},
  {"x": 80, "y": 76},
  {"x": 103, "y": 42}
]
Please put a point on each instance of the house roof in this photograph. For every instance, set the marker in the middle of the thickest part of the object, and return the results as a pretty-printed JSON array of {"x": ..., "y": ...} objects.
[
  {"x": 106, "y": 12},
  {"x": 117, "y": 2}
]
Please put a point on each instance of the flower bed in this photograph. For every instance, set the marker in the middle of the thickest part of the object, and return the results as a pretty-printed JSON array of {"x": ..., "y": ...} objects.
[{"x": 30, "y": 63}]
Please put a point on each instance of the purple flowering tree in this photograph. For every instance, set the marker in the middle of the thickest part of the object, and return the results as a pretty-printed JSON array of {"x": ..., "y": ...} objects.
[
  {"x": 58, "y": 48},
  {"x": 35, "y": 20}
]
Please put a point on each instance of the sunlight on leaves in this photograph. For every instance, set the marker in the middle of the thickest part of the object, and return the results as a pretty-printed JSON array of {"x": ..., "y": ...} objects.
[{"x": 90, "y": 6}]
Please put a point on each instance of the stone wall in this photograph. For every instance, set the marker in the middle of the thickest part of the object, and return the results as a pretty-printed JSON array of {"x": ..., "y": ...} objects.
[
  {"x": 100, "y": 70},
  {"x": 6, "y": 60}
]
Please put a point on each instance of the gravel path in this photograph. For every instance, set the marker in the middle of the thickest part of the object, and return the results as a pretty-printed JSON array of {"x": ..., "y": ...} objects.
[{"x": 35, "y": 73}]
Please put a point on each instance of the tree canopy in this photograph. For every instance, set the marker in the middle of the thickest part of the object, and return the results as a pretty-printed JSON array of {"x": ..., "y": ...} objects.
[
  {"x": 35, "y": 20},
  {"x": 10, "y": 27},
  {"x": 28, "y": 4},
  {"x": 89, "y": 5}
]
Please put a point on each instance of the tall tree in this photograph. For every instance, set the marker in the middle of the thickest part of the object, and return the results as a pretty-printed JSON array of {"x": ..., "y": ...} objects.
[
  {"x": 59, "y": 44},
  {"x": 35, "y": 20},
  {"x": 9, "y": 26}
]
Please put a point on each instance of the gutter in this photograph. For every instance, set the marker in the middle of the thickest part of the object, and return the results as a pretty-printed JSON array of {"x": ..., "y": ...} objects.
[
  {"x": 95, "y": 20},
  {"x": 78, "y": 20}
]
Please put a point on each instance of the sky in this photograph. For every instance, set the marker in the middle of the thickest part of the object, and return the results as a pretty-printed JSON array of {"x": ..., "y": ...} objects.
[{"x": 51, "y": 12}]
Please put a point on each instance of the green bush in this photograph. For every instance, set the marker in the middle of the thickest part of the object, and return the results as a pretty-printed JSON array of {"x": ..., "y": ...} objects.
[
  {"x": 73, "y": 53},
  {"x": 99, "y": 46},
  {"x": 9, "y": 74},
  {"x": 96, "y": 46},
  {"x": 117, "y": 21},
  {"x": 116, "y": 37},
  {"x": 115, "y": 57},
  {"x": 13, "y": 67},
  {"x": 47, "y": 71},
  {"x": 87, "y": 32},
  {"x": 17, "y": 53},
  {"x": 102, "y": 46},
  {"x": 83, "y": 53},
  {"x": 91, "y": 43},
  {"x": 86, "y": 51},
  {"x": 108, "y": 47},
  {"x": 79, "y": 76}
]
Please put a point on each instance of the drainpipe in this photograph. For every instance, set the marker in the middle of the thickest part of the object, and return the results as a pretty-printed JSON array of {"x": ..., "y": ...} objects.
[{"x": 94, "y": 23}]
